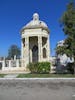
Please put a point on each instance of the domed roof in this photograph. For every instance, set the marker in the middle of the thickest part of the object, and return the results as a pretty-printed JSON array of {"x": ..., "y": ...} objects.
[{"x": 35, "y": 23}]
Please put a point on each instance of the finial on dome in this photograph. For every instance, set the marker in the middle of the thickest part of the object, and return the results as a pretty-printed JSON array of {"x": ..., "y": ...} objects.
[{"x": 35, "y": 16}]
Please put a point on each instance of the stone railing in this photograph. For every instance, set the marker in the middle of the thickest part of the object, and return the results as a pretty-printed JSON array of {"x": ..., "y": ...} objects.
[{"x": 10, "y": 64}]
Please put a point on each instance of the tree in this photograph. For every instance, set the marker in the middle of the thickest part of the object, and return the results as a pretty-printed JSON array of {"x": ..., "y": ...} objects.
[
  {"x": 60, "y": 50},
  {"x": 68, "y": 26},
  {"x": 13, "y": 50}
]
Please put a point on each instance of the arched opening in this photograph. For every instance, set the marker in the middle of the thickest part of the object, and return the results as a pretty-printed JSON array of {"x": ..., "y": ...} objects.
[
  {"x": 0, "y": 66},
  {"x": 44, "y": 53},
  {"x": 44, "y": 41},
  {"x": 23, "y": 40},
  {"x": 35, "y": 54}
]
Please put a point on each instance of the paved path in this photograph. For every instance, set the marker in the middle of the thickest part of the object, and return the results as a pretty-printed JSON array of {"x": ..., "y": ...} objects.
[
  {"x": 37, "y": 89},
  {"x": 11, "y": 76}
]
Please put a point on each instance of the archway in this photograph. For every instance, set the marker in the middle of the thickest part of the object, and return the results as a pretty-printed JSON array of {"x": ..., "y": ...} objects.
[
  {"x": 35, "y": 54},
  {"x": 44, "y": 52},
  {"x": 0, "y": 66}
]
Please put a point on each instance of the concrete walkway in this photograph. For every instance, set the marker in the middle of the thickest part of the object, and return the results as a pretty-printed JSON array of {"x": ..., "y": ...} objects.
[
  {"x": 11, "y": 76},
  {"x": 37, "y": 89}
]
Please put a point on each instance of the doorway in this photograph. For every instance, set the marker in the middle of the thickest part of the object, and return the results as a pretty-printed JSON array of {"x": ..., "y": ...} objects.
[{"x": 35, "y": 54}]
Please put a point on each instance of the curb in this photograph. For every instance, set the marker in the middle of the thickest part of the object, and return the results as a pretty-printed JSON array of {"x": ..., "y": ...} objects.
[{"x": 37, "y": 78}]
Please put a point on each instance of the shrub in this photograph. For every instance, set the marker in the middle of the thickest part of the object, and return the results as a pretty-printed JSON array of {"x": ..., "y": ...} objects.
[
  {"x": 70, "y": 68},
  {"x": 39, "y": 67}
]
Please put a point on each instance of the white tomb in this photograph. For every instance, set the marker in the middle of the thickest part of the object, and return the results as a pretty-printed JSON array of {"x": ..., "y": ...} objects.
[{"x": 35, "y": 41}]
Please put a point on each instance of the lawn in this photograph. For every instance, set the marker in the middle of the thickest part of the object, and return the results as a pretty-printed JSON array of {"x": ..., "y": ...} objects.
[
  {"x": 2, "y": 75},
  {"x": 45, "y": 76}
]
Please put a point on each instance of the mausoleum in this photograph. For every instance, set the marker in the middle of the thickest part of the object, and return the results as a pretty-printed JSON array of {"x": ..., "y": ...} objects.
[
  {"x": 35, "y": 46},
  {"x": 35, "y": 41}
]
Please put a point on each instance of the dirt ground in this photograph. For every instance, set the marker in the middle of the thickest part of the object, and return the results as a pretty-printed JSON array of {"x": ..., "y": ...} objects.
[{"x": 36, "y": 89}]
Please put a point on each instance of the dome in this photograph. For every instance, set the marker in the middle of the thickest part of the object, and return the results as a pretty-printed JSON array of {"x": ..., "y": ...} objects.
[{"x": 36, "y": 23}]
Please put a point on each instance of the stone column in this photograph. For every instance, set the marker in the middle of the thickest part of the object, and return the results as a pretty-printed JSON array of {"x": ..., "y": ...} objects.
[
  {"x": 30, "y": 55},
  {"x": 48, "y": 49},
  {"x": 26, "y": 51},
  {"x": 17, "y": 63},
  {"x": 22, "y": 53},
  {"x": 39, "y": 48},
  {"x": 10, "y": 64},
  {"x": 21, "y": 49},
  {"x": 3, "y": 64}
]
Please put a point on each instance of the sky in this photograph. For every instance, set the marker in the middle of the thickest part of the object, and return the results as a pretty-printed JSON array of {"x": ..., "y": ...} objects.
[{"x": 14, "y": 14}]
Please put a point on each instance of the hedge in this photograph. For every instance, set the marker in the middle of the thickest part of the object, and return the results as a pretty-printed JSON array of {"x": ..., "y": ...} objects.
[{"x": 39, "y": 67}]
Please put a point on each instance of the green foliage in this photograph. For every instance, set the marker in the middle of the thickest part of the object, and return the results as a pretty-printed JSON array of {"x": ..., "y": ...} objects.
[
  {"x": 68, "y": 19},
  {"x": 42, "y": 67},
  {"x": 70, "y": 68},
  {"x": 45, "y": 76},
  {"x": 2, "y": 75},
  {"x": 68, "y": 25},
  {"x": 13, "y": 50},
  {"x": 60, "y": 50}
]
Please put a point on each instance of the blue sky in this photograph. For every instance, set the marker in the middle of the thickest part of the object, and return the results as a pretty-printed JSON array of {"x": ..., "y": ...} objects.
[{"x": 14, "y": 14}]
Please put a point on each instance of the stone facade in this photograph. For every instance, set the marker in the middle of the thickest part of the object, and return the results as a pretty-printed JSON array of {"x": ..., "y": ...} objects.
[{"x": 35, "y": 41}]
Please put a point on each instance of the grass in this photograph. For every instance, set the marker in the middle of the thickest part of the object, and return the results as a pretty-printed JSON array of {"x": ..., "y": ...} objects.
[
  {"x": 2, "y": 75},
  {"x": 45, "y": 76}
]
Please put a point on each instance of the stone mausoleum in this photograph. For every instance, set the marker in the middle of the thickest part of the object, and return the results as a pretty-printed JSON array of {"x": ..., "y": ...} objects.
[
  {"x": 35, "y": 46},
  {"x": 35, "y": 41}
]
